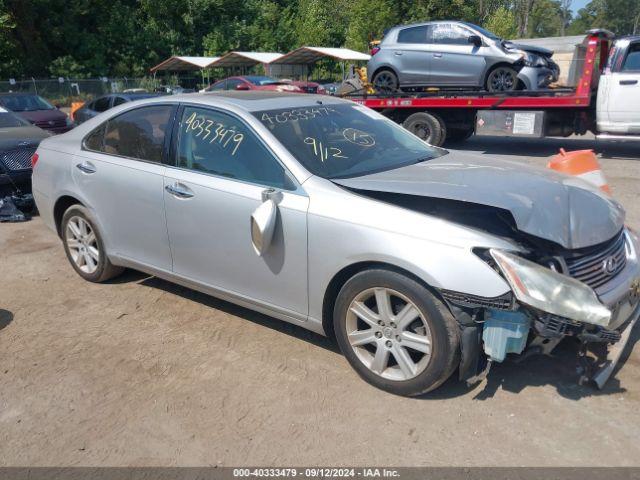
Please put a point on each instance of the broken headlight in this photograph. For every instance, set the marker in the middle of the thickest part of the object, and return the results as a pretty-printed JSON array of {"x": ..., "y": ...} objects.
[
  {"x": 532, "y": 60},
  {"x": 549, "y": 291}
]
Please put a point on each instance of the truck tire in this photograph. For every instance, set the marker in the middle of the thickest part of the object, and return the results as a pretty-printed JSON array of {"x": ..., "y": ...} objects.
[{"x": 427, "y": 126}]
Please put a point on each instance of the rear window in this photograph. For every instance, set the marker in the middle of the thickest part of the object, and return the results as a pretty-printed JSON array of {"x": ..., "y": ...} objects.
[
  {"x": 9, "y": 120},
  {"x": 632, "y": 62}
]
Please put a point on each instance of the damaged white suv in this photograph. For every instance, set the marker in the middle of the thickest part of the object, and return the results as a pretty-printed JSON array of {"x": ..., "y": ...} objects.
[{"x": 328, "y": 215}]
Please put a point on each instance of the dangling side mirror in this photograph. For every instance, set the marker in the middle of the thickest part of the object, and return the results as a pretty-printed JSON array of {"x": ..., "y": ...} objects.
[{"x": 263, "y": 224}]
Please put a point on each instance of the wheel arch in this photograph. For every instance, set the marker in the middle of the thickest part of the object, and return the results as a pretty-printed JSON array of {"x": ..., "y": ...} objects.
[
  {"x": 341, "y": 277},
  {"x": 385, "y": 66},
  {"x": 501, "y": 63},
  {"x": 61, "y": 206}
]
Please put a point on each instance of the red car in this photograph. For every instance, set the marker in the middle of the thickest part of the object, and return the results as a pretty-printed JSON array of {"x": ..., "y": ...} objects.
[
  {"x": 307, "y": 87},
  {"x": 253, "y": 82}
]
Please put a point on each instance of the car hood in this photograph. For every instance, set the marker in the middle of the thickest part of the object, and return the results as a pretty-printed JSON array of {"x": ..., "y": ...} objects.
[
  {"x": 42, "y": 115},
  {"x": 543, "y": 203},
  {"x": 545, "y": 52},
  {"x": 16, "y": 137}
]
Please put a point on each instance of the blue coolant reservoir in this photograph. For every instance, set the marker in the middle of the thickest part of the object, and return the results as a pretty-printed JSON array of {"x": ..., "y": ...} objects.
[{"x": 504, "y": 332}]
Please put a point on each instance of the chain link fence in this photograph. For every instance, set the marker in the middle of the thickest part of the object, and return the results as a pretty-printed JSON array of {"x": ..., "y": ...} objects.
[{"x": 63, "y": 91}]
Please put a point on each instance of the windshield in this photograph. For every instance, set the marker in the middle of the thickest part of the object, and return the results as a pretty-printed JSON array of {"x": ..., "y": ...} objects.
[
  {"x": 262, "y": 80},
  {"x": 9, "y": 120},
  {"x": 484, "y": 32},
  {"x": 340, "y": 141},
  {"x": 25, "y": 103}
]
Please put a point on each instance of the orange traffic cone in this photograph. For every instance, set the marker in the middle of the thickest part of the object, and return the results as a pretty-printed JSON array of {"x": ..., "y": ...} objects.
[{"x": 581, "y": 163}]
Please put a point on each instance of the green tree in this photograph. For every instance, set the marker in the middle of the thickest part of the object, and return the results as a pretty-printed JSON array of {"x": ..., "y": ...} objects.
[
  {"x": 503, "y": 23},
  {"x": 367, "y": 21}
]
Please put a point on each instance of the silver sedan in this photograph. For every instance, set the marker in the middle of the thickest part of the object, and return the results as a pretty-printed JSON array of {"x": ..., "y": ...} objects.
[{"x": 325, "y": 214}]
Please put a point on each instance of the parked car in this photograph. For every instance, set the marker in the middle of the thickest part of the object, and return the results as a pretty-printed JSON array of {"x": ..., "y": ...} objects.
[
  {"x": 253, "y": 82},
  {"x": 307, "y": 86},
  {"x": 451, "y": 54},
  {"x": 105, "y": 102},
  {"x": 18, "y": 142},
  {"x": 37, "y": 111},
  {"x": 328, "y": 215}
]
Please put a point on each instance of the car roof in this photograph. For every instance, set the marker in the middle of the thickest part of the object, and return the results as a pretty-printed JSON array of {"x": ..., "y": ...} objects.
[
  {"x": 18, "y": 94},
  {"x": 254, "y": 100}
]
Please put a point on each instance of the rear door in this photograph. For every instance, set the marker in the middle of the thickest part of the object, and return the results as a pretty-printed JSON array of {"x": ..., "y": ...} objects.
[
  {"x": 621, "y": 91},
  {"x": 120, "y": 174},
  {"x": 411, "y": 55},
  {"x": 220, "y": 172},
  {"x": 455, "y": 62}
]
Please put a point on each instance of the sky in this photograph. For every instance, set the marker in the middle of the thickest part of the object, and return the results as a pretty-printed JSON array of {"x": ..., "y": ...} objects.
[{"x": 578, "y": 4}]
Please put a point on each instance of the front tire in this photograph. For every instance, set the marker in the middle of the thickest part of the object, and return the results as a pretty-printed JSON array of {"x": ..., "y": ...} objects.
[
  {"x": 502, "y": 79},
  {"x": 84, "y": 246},
  {"x": 395, "y": 333}
]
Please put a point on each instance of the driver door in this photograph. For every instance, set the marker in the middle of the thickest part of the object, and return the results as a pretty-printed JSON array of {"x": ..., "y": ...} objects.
[{"x": 220, "y": 174}]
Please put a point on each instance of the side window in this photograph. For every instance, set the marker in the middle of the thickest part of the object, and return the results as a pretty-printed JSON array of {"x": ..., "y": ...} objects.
[
  {"x": 219, "y": 144},
  {"x": 413, "y": 35},
  {"x": 233, "y": 83},
  {"x": 632, "y": 61},
  {"x": 218, "y": 86},
  {"x": 94, "y": 141},
  {"x": 118, "y": 101},
  {"x": 101, "y": 104},
  {"x": 137, "y": 133},
  {"x": 449, "y": 34}
]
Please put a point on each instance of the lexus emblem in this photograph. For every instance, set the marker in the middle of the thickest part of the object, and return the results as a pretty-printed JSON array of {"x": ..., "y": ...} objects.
[{"x": 609, "y": 265}]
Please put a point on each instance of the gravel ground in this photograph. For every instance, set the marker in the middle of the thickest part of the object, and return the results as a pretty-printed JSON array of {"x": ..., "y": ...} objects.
[{"x": 141, "y": 372}]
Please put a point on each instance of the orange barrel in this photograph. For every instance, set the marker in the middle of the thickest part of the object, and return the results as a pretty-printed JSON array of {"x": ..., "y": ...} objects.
[
  {"x": 581, "y": 163},
  {"x": 75, "y": 106}
]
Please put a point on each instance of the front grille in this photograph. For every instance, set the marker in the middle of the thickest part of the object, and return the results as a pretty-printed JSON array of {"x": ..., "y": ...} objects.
[
  {"x": 47, "y": 124},
  {"x": 19, "y": 159},
  {"x": 599, "y": 266},
  {"x": 474, "y": 301}
]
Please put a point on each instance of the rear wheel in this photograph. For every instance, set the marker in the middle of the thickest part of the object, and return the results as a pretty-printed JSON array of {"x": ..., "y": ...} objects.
[
  {"x": 428, "y": 126},
  {"x": 502, "y": 79},
  {"x": 84, "y": 246},
  {"x": 385, "y": 81},
  {"x": 395, "y": 333}
]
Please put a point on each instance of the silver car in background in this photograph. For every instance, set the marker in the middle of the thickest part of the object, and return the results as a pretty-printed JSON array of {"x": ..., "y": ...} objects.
[
  {"x": 325, "y": 214},
  {"x": 452, "y": 54}
]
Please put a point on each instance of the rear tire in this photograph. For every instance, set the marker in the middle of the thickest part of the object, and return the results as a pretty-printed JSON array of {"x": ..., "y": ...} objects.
[
  {"x": 409, "y": 346},
  {"x": 427, "y": 126},
  {"x": 385, "y": 81},
  {"x": 84, "y": 246}
]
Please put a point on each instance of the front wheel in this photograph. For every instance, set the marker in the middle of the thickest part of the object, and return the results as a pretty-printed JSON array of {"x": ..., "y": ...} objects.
[
  {"x": 395, "y": 333},
  {"x": 502, "y": 79}
]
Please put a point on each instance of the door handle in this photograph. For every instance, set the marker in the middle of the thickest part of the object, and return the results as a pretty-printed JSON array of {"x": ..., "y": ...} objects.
[
  {"x": 86, "y": 167},
  {"x": 628, "y": 82},
  {"x": 179, "y": 190},
  {"x": 437, "y": 55},
  {"x": 397, "y": 53}
]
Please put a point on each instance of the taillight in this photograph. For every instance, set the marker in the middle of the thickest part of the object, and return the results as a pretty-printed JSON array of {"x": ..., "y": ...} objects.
[
  {"x": 34, "y": 159},
  {"x": 374, "y": 50}
]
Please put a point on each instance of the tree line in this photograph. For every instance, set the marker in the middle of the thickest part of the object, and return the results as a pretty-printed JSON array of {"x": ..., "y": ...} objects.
[{"x": 88, "y": 38}]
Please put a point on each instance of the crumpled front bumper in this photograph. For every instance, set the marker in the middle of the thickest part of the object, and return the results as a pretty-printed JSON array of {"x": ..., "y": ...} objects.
[{"x": 535, "y": 78}]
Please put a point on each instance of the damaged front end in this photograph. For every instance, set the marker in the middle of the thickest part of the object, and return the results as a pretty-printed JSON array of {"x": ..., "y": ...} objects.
[{"x": 593, "y": 297}]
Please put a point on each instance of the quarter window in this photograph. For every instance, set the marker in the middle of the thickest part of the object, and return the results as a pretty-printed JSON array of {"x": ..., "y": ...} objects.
[
  {"x": 220, "y": 144},
  {"x": 413, "y": 35},
  {"x": 118, "y": 101},
  {"x": 135, "y": 134}
]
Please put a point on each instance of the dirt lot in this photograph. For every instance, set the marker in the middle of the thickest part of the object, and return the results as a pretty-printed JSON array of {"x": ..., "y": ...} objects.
[{"x": 141, "y": 372}]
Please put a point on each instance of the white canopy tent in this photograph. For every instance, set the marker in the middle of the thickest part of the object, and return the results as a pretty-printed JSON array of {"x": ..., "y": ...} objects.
[
  {"x": 178, "y": 64},
  {"x": 297, "y": 62},
  {"x": 241, "y": 61}
]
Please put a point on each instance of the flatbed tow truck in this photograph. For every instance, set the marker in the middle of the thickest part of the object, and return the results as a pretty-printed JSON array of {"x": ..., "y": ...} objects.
[{"x": 605, "y": 101}]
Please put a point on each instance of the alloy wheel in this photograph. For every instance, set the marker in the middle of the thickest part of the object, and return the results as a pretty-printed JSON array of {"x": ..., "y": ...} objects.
[
  {"x": 82, "y": 244},
  {"x": 389, "y": 334},
  {"x": 385, "y": 81},
  {"x": 502, "y": 80}
]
